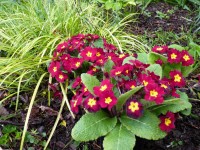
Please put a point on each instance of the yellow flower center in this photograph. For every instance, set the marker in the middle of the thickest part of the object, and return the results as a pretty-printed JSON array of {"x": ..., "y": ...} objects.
[
  {"x": 77, "y": 64},
  {"x": 109, "y": 57},
  {"x": 132, "y": 86},
  {"x": 85, "y": 89},
  {"x": 164, "y": 86},
  {"x": 153, "y": 93},
  {"x": 98, "y": 54},
  {"x": 75, "y": 102},
  {"x": 103, "y": 88},
  {"x": 54, "y": 69},
  {"x": 173, "y": 56},
  {"x": 63, "y": 47},
  {"x": 186, "y": 57},
  {"x": 61, "y": 76},
  {"x": 133, "y": 106},
  {"x": 127, "y": 71},
  {"x": 94, "y": 69},
  {"x": 89, "y": 54},
  {"x": 101, "y": 61},
  {"x": 177, "y": 78},
  {"x": 118, "y": 72},
  {"x": 159, "y": 49},
  {"x": 108, "y": 100},
  {"x": 145, "y": 83},
  {"x": 121, "y": 55},
  {"x": 167, "y": 121},
  {"x": 91, "y": 102}
]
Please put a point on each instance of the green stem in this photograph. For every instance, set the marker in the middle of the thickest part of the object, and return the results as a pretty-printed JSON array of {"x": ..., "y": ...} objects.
[
  {"x": 29, "y": 111},
  {"x": 49, "y": 93},
  {"x": 66, "y": 99}
]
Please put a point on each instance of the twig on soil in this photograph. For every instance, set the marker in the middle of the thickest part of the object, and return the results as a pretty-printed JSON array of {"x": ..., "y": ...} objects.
[
  {"x": 193, "y": 99},
  {"x": 18, "y": 124}
]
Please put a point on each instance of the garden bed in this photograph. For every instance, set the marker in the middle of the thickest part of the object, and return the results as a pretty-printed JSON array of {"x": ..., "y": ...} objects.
[{"x": 157, "y": 17}]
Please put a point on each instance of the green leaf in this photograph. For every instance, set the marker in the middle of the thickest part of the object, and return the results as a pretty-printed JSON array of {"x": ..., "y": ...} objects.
[
  {"x": 186, "y": 70},
  {"x": 145, "y": 127},
  {"x": 178, "y": 47},
  {"x": 109, "y": 5},
  {"x": 89, "y": 81},
  {"x": 99, "y": 43},
  {"x": 169, "y": 67},
  {"x": 117, "y": 6},
  {"x": 119, "y": 139},
  {"x": 127, "y": 60},
  {"x": 186, "y": 112},
  {"x": 123, "y": 97},
  {"x": 93, "y": 125},
  {"x": 4, "y": 139},
  {"x": 174, "y": 105},
  {"x": 153, "y": 57},
  {"x": 146, "y": 104},
  {"x": 9, "y": 129},
  {"x": 156, "y": 68},
  {"x": 108, "y": 65},
  {"x": 143, "y": 57}
]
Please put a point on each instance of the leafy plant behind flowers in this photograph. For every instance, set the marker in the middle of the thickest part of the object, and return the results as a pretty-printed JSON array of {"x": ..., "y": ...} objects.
[{"x": 122, "y": 96}]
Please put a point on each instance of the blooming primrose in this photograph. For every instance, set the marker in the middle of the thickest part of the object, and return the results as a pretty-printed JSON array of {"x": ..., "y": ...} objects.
[
  {"x": 89, "y": 54},
  {"x": 107, "y": 100},
  {"x": 177, "y": 78},
  {"x": 154, "y": 93},
  {"x": 61, "y": 77},
  {"x": 54, "y": 68},
  {"x": 160, "y": 49},
  {"x": 91, "y": 104},
  {"x": 134, "y": 109},
  {"x": 186, "y": 58},
  {"x": 167, "y": 122},
  {"x": 173, "y": 56},
  {"x": 105, "y": 86}
]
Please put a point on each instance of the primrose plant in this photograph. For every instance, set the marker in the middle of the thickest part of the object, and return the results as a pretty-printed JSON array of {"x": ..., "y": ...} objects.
[{"x": 121, "y": 95}]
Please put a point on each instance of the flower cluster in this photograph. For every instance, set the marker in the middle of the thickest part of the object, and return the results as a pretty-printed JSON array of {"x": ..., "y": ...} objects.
[
  {"x": 175, "y": 56},
  {"x": 82, "y": 54}
]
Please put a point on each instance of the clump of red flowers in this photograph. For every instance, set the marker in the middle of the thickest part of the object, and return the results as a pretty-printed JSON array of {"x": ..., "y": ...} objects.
[{"x": 84, "y": 54}]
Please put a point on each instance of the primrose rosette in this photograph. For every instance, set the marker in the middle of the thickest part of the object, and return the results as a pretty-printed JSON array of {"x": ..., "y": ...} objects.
[{"x": 120, "y": 95}]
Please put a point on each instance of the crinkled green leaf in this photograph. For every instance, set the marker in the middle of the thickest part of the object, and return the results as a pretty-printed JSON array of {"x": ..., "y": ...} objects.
[
  {"x": 120, "y": 138},
  {"x": 143, "y": 57},
  {"x": 169, "y": 67},
  {"x": 186, "y": 70},
  {"x": 186, "y": 112},
  {"x": 89, "y": 81},
  {"x": 123, "y": 97},
  {"x": 156, "y": 68},
  {"x": 127, "y": 60},
  {"x": 153, "y": 57},
  {"x": 93, "y": 125},
  {"x": 146, "y": 126},
  {"x": 174, "y": 105},
  {"x": 99, "y": 43},
  {"x": 108, "y": 65},
  {"x": 178, "y": 47}
]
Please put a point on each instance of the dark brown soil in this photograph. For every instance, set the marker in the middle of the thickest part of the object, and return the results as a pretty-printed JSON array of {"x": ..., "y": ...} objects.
[{"x": 162, "y": 16}]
